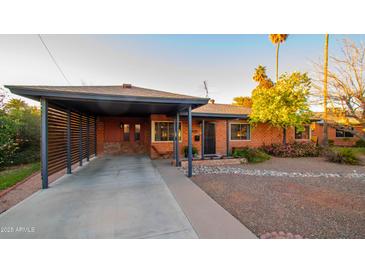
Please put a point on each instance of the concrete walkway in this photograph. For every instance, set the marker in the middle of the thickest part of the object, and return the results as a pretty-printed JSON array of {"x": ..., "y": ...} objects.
[
  {"x": 208, "y": 218},
  {"x": 112, "y": 197}
]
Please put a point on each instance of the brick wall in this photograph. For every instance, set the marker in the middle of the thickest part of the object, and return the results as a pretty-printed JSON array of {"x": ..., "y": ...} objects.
[
  {"x": 262, "y": 134},
  {"x": 100, "y": 136},
  {"x": 110, "y": 135},
  {"x": 167, "y": 147},
  {"x": 318, "y": 132}
]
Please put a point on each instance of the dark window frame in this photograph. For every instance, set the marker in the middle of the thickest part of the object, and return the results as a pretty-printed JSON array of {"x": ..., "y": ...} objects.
[
  {"x": 248, "y": 135},
  {"x": 126, "y": 135},
  {"x": 344, "y": 134},
  {"x": 137, "y": 135},
  {"x": 301, "y": 133},
  {"x": 170, "y": 131}
]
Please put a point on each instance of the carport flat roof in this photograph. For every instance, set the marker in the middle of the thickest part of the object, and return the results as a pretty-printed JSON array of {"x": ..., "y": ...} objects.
[{"x": 111, "y": 100}]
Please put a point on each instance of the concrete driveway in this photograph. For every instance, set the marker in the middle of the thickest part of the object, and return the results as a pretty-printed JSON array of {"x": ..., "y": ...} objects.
[{"x": 111, "y": 197}]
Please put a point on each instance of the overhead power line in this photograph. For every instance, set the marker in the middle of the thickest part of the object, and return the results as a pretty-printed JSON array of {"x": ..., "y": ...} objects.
[{"x": 54, "y": 60}]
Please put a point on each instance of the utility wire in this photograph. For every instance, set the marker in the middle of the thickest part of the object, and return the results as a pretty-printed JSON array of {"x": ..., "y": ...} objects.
[{"x": 53, "y": 59}]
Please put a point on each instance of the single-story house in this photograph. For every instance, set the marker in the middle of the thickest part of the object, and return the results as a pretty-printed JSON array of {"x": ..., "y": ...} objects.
[
  {"x": 337, "y": 136},
  {"x": 79, "y": 122}
]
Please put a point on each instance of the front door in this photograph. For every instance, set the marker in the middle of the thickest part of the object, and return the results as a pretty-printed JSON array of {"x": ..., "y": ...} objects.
[{"x": 209, "y": 138}]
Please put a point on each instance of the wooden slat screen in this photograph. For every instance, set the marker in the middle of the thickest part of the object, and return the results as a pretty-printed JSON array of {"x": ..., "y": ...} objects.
[
  {"x": 92, "y": 135},
  {"x": 84, "y": 142},
  {"x": 57, "y": 138},
  {"x": 75, "y": 137}
]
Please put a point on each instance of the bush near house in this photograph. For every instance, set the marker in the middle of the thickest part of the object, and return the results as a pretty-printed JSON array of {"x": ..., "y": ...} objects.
[
  {"x": 360, "y": 143},
  {"x": 195, "y": 151},
  {"x": 342, "y": 156},
  {"x": 292, "y": 150},
  {"x": 253, "y": 155}
]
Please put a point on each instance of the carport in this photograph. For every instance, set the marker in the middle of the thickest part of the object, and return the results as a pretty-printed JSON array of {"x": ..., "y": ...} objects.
[{"x": 69, "y": 118}]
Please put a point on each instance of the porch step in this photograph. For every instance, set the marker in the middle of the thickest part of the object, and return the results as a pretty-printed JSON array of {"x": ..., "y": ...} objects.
[
  {"x": 124, "y": 148},
  {"x": 213, "y": 156}
]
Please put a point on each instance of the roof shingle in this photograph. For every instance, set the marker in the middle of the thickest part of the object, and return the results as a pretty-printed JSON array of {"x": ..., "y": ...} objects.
[{"x": 222, "y": 109}]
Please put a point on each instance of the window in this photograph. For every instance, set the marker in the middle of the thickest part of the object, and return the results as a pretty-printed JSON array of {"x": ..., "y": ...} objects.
[
  {"x": 343, "y": 134},
  {"x": 164, "y": 131},
  {"x": 303, "y": 135},
  {"x": 126, "y": 132},
  {"x": 137, "y": 132},
  {"x": 240, "y": 132}
]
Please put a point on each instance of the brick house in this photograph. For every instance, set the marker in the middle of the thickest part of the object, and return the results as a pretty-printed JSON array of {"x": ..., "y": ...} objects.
[
  {"x": 338, "y": 137},
  {"x": 79, "y": 122}
]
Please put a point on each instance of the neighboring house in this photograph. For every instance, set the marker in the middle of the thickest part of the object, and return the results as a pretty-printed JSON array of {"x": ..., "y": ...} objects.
[
  {"x": 81, "y": 121},
  {"x": 337, "y": 136}
]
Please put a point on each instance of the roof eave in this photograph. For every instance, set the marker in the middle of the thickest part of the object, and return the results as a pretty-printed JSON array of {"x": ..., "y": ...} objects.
[
  {"x": 217, "y": 115},
  {"x": 34, "y": 94}
]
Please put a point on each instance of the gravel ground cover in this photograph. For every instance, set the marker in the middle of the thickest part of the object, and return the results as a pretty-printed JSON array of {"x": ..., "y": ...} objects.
[{"x": 296, "y": 196}]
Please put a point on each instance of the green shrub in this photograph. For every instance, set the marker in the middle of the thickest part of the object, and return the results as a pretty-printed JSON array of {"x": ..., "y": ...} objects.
[
  {"x": 331, "y": 142},
  {"x": 342, "y": 156},
  {"x": 26, "y": 156},
  {"x": 292, "y": 150},
  {"x": 19, "y": 133},
  {"x": 8, "y": 144},
  {"x": 253, "y": 155},
  {"x": 195, "y": 151},
  {"x": 360, "y": 143}
]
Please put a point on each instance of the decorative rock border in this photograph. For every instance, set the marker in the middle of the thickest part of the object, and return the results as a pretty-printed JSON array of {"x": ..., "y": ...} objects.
[
  {"x": 280, "y": 235},
  {"x": 272, "y": 173},
  {"x": 215, "y": 162}
]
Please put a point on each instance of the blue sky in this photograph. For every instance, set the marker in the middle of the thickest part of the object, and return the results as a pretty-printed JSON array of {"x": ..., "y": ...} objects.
[{"x": 178, "y": 63}]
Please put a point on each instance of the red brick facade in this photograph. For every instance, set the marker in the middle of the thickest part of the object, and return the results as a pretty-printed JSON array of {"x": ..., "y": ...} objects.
[
  {"x": 110, "y": 136},
  {"x": 318, "y": 133}
]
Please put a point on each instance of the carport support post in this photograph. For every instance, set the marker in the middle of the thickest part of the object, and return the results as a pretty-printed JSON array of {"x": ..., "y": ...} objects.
[
  {"x": 202, "y": 139},
  {"x": 44, "y": 142},
  {"x": 80, "y": 139},
  {"x": 190, "y": 142},
  {"x": 69, "y": 142},
  {"x": 88, "y": 138},
  {"x": 95, "y": 132},
  {"x": 174, "y": 141},
  {"x": 227, "y": 137},
  {"x": 177, "y": 160}
]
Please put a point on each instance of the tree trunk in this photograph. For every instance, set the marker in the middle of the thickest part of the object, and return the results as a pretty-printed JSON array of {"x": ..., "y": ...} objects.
[
  {"x": 284, "y": 136},
  {"x": 325, "y": 93},
  {"x": 277, "y": 61},
  {"x": 325, "y": 134}
]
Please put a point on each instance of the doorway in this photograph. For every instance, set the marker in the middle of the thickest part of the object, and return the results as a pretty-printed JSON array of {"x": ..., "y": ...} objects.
[{"x": 209, "y": 138}]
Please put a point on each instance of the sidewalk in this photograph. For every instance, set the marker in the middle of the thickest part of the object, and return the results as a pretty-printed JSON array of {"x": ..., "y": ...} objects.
[{"x": 209, "y": 219}]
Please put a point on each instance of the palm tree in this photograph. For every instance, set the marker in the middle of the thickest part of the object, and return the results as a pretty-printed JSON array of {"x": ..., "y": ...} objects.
[
  {"x": 325, "y": 92},
  {"x": 260, "y": 74},
  {"x": 277, "y": 39},
  {"x": 261, "y": 77}
]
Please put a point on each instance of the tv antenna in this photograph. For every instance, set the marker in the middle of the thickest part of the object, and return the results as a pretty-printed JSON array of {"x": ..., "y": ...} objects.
[{"x": 206, "y": 89}]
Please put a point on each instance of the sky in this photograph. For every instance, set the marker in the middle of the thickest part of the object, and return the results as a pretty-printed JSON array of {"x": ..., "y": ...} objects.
[{"x": 175, "y": 63}]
